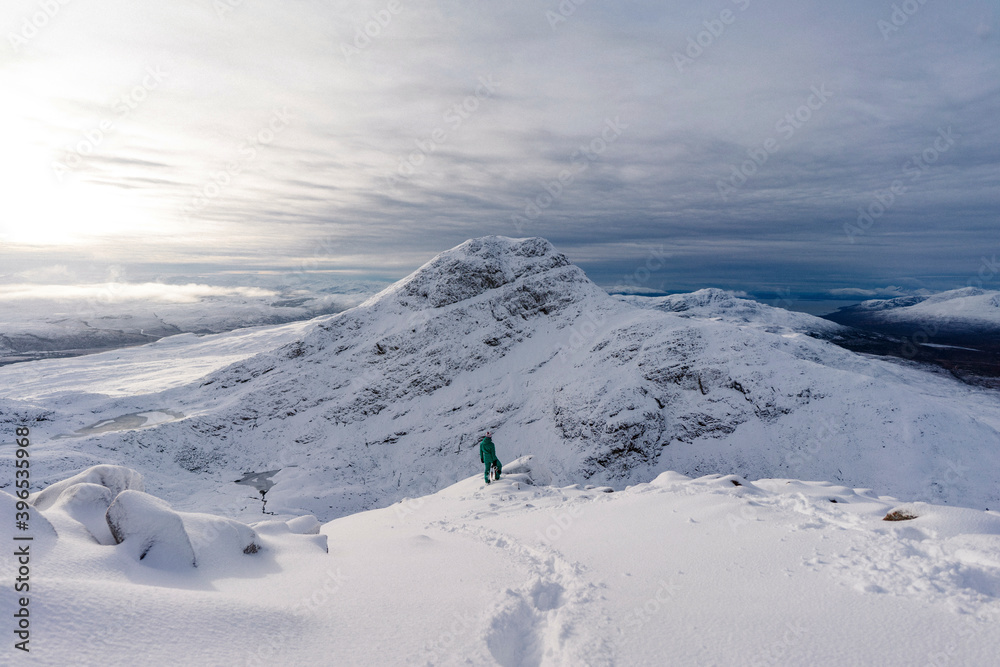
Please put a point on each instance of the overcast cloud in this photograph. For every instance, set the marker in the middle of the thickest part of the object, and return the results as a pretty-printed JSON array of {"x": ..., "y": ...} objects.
[{"x": 804, "y": 145}]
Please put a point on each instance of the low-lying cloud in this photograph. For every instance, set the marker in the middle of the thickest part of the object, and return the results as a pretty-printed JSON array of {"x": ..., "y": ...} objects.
[{"x": 126, "y": 293}]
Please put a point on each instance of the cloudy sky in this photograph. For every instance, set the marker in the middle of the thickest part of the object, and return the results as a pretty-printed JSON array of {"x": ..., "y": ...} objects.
[{"x": 798, "y": 147}]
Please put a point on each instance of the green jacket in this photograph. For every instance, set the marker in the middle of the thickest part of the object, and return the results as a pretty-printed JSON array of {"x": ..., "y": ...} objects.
[{"x": 487, "y": 452}]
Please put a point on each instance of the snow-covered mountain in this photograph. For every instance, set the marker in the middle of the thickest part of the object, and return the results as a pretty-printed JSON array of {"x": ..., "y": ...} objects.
[
  {"x": 963, "y": 309},
  {"x": 387, "y": 400},
  {"x": 958, "y": 330}
]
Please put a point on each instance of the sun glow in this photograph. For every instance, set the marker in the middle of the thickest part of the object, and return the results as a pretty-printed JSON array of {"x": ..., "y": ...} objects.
[
  {"x": 41, "y": 210},
  {"x": 75, "y": 213},
  {"x": 47, "y": 204}
]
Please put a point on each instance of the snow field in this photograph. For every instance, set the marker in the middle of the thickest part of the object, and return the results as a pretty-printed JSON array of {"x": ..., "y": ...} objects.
[{"x": 713, "y": 570}]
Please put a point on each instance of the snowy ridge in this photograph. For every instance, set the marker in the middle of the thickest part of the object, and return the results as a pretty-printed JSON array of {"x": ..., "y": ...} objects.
[
  {"x": 716, "y": 303},
  {"x": 387, "y": 400}
]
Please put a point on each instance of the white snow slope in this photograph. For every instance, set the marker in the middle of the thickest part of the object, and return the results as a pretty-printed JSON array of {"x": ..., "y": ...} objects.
[
  {"x": 677, "y": 571},
  {"x": 387, "y": 399}
]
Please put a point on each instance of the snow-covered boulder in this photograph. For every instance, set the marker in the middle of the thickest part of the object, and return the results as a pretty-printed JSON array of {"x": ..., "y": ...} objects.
[
  {"x": 216, "y": 540},
  {"x": 39, "y": 529},
  {"x": 115, "y": 478},
  {"x": 88, "y": 504},
  {"x": 150, "y": 531},
  {"x": 304, "y": 525},
  {"x": 302, "y": 530},
  {"x": 529, "y": 469}
]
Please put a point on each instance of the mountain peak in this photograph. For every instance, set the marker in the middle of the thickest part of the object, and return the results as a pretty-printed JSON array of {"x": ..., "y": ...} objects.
[{"x": 475, "y": 267}]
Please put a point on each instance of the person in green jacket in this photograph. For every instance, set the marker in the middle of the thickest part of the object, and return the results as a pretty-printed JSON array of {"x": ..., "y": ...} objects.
[{"x": 488, "y": 455}]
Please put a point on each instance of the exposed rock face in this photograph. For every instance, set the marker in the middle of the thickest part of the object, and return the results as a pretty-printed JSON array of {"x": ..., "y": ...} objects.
[{"x": 475, "y": 267}]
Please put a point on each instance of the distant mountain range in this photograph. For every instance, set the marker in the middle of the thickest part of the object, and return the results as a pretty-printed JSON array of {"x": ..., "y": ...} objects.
[
  {"x": 92, "y": 318},
  {"x": 958, "y": 330}
]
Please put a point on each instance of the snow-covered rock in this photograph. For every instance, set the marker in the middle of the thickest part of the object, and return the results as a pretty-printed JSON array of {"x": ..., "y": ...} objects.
[
  {"x": 217, "y": 540},
  {"x": 150, "y": 531},
  {"x": 88, "y": 504},
  {"x": 112, "y": 477},
  {"x": 304, "y": 525},
  {"x": 43, "y": 534}
]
